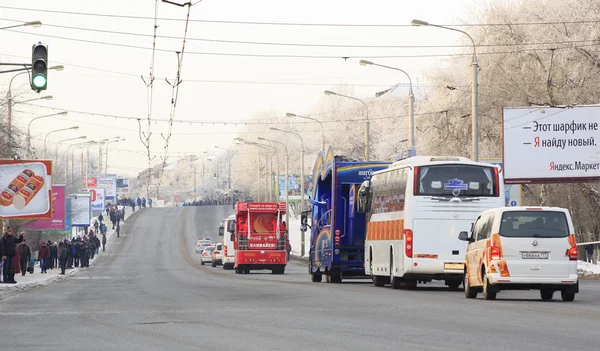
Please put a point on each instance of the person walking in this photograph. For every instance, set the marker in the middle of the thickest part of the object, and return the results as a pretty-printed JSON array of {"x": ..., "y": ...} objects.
[
  {"x": 54, "y": 255},
  {"x": 113, "y": 217},
  {"x": 103, "y": 242},
  {"x": 589, "y": 250},
  {"x": 43, "y": 256},
  {"x": 25, "y": 255},
  {"x": 118, "y": 229},
  {"x": 107, "y": 209},
  {"x": 9, "y": 251},
  {"x": 139, "y": 202},
  {"x": 101, "y": 218},
  {"x": 76, "y": 252},
  {"x": 63, "y": 248}
]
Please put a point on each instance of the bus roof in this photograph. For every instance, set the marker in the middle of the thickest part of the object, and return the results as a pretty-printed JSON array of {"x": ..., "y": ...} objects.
[{"x": 428, "y": 160}]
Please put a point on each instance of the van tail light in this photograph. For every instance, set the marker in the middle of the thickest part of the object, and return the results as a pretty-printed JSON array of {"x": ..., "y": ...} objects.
[
  {"x": 573, "y": 254},
  {"x": 496, "y": 182},
  {"x": 494, "y": 253},
  {"x": 225, "y": 250},
  {"x": 408, "y": 243},
  {"x": 416, "y": 181}
]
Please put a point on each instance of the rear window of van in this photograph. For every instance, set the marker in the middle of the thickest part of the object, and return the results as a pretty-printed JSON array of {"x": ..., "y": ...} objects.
[{"x": 534, "y": 224}]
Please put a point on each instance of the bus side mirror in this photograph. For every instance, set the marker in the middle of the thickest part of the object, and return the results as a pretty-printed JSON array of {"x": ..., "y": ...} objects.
[
  {"x": 221, "y": 230},
  {"x": 364, "y": 197}
]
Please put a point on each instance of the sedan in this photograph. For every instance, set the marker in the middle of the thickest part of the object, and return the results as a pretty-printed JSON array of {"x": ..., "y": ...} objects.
[{"x": 207, "y": 255}]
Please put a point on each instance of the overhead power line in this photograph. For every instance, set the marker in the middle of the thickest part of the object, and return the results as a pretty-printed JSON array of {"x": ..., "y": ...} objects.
[
  {"x": 264, "y": 23},
  {"x": 329, "y": 45}
]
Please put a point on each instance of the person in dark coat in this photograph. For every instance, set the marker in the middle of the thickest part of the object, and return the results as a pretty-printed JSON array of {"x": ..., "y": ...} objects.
[
  {"x": 76, "y": 251},
  {"x": 43, "y": 254},
  {"x": 70, "y": 254},
  {"x": 9, "y": 251},
  {"x": 24, "y": 252},
  {"x": 53, "y": 255},
  {"x": 91, "y": 247},
  {"x": 113, "y": 217},
  {"x": 103, "y": 242},
  {"x": 62, "y": 257}
]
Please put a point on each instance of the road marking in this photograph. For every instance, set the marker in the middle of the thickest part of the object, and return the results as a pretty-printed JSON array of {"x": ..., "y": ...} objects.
[{"x": 88, "y": 277}]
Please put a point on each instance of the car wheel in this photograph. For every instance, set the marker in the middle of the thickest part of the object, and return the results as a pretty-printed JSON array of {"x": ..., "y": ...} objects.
[
  {"x": 488, "y": 291},
  {"x": 316, "y": 277},
  {"x": 202, "y": 263},
  {"x": 567, "y": 296},
  {"x": 470, "y": 293},
  {"x": 546, "y": 294}
]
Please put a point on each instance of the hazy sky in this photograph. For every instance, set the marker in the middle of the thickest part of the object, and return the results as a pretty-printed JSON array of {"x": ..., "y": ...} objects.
[{"x": 207, "y": 91}]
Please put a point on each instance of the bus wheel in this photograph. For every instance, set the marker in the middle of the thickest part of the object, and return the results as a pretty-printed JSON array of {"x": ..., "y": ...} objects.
[
  {"x": 316, "y": 277},
  {"x": 378, "y": 280},
  {"x": 333, "y": 277},
  {"x": 453, "y": 284}
]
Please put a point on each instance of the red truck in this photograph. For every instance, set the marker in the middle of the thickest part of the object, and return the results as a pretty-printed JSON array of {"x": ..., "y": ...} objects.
[{"x": 259, "y": 237}]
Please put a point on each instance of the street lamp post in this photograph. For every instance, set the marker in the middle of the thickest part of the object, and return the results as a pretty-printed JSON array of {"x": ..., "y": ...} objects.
[
  {"x": 411, "y": 101},
  {"x": 367, "y": 122},
  {"x": 287, "y": 159},
  {"x": 312, "y": 119},
  {"x": 72, "y": 153},
  {"x": 474, "y": 87},
  {"x": 116, "y": 140},
  {"x": 52, "y": 132},
  {"x": 87, "y": 161},
  {"x": 34, "y": 24},
  {"x": 228, "y": 166},
  {"x": 267, "y": 161},
  {"x": 64, "y": 113},
  {"x": 301, "y": 176},
  {"x": 55, "y": 159}
]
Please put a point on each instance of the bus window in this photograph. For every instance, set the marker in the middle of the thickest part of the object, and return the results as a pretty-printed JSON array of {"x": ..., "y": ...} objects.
[{"x": 457, "y": 180}]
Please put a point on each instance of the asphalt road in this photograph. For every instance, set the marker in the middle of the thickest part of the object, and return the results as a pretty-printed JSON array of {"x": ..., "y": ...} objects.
[{"x": 149, "y": 292}]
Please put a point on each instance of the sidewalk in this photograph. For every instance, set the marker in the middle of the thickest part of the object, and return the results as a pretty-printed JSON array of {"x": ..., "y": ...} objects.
[{"x": 38, "y": 279}]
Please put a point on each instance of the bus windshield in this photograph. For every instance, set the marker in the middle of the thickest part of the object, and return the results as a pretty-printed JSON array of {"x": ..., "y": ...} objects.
[{"x": 457, "y": 180}]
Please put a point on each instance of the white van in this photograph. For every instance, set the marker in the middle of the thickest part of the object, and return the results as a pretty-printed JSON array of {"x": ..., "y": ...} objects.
[
  {"x": 226, "y": 230},
  {"x": 521, "y": 248}
]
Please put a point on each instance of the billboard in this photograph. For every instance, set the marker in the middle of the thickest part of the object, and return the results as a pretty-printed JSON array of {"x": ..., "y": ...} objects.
[
  {"x": 26, "y": 189},
  {"x": 551, "y": 144},
  {"x": 90, "y": 183},
  {"x": 513, "y": 193},
  {"x": 97, "y": 199},
  {"x": 68, "y": 214},
  {"x": 110, "y": 187},
  {"x": 81, "y": 212},
  {"x": 123, "y": 186},
  {"x": 58, "y": 213},
  {"x": 294, "y": 186}
]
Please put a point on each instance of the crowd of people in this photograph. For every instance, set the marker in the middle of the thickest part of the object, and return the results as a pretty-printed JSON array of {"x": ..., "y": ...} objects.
[
  {"x": 140, "y": 202},
  {"x": 17, "y": 256}
]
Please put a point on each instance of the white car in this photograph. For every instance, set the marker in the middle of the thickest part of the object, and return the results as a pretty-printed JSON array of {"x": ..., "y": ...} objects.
[
  {"x": 207, "y": 255},
  {"x": 217, "y": 255},
  {"x": 521, "y": 248},
  {"x": 201, "y": 244}
]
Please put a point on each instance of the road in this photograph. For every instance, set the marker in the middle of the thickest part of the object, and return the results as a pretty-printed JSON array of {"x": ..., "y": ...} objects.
[{"x": 149, "y": 292}]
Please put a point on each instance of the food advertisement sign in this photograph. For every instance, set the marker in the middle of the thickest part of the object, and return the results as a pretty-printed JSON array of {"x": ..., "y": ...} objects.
[
  {"x": 551, "y": 144},
  {"x": 26, "y": 190},
  {"x": 58, "y": 220}
]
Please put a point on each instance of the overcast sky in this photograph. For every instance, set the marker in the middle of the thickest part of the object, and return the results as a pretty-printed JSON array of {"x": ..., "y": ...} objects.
[{"x": 207, "y": 91}]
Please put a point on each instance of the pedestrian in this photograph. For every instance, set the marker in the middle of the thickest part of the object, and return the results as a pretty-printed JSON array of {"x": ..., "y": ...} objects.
[
  {"x": 96, "y": 225},
  {"x": 53, "y": 255},
  {"x": 589, "y": 250},
  {"x": 107, "y": 209},
  {"x": 101, "y": 218},
  {"x": 139, "y": 203},
  {"x": 70, "y": 254},
  {"x": 82, "y": 252},
  {"x": 97, "y": 242},
  {"x": 9, "y": 251},
  {"x": 76, "y": 251},
  {"x": 118, "y": 229},
  {"x": 103, "y": 242},
  {"x": 104, "y": 229},
  {"x": 113, "y": 217},
  {"x": 123, "y": 214},
  {"x": 150, "y": 202},
  {"x": 63, "y": 247},
  {"x": 43, "y": 257},
  {"x": 143, "y": 202},
  {"x": 24, "y": 252},
  {"x": 91, "y": 247}
]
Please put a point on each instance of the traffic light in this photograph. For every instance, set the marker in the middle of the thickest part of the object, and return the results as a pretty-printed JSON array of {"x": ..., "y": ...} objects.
[{"x": 39, "y": 67}]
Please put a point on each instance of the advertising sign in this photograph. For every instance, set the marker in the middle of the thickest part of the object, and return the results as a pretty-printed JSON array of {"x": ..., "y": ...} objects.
[
  {"x": 294, "y": 186},
  {"x": 80, "y": 210},
  {"x": 551, "y": 144},
  {"x": 123, "y": 186},
  {"x": 25, "y": 189},
  {"x": 58, "y": 212},
  {"x": 90, "y": 183},
  {"x": 97, "y": 199},
  {"x": 110, "y": 187},
  {"x": 68, "y": 214},
  {"x": 513, "y": 193}
]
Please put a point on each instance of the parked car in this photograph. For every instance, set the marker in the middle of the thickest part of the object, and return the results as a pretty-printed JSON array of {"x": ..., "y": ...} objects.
[
  {"x": 521, "y": 248},
  {"x": 207, "y": 255},
  {"x": 217, "y": 255}
]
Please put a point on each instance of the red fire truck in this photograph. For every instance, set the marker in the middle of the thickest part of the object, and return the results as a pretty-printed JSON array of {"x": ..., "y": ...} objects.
[{"x": 259, "y": 240}]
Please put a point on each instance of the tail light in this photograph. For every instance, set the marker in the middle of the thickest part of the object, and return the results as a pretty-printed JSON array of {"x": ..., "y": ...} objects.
[
  {"x": 337, "y": 239},
  {"x": 573, "y": 254},
  {"x": 496, "y": 182},
  {"x": 494, "y": 253},
  {"x": 408, "y": 243},
  {"x": 416, "y": 181},
  {"x": 225, "y": 250}
]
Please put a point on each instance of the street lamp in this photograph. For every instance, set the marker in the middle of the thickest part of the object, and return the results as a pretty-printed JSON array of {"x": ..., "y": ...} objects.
[
  {"x": 287, "y": 159},
  {"x": 55, "y": 131},
  {"x": 367, "y": 122},
  {"x": 72, "y": 153},
  {"x": 301, "y": 171},
  {"x": 117, "y": 139},
  {"x": 312, "y": 119},
  {"x": 63, "y": 113},
  {"x": 269, "y": 179},
  {"x": 34, "y": 24},
  {"x": 228, "y": 165},
  {"x": 87, "y": 162},
  {"x": 64, "y": 141},
  {"x": 47, "y": 97},
  {"x": 411, "y": 101},
  {"x": 253, "y": 143},
  {"x": 474, "y": 87}
]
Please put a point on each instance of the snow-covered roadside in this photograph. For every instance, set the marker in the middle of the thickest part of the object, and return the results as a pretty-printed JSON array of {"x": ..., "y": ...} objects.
[{"x": 588, "y": 270}]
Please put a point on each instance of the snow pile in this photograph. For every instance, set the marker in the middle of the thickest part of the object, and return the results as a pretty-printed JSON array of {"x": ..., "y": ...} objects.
[{"x": 587, "y": 269}]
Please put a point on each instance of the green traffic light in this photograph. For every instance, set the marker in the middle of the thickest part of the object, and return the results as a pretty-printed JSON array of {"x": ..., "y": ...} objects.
[{"x": 39, "y": 81}]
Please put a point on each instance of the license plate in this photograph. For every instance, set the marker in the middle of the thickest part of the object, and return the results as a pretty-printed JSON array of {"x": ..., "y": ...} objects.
[
  {"x": 534, "y": 255},
  {"x": 454, "y": 266}
]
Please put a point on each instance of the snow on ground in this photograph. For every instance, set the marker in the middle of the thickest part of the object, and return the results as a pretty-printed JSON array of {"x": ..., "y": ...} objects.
[{"x": 586, "y": 268}]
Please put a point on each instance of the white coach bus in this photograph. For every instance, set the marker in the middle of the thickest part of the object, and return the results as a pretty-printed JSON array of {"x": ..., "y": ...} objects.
[{"x": 415, "y": 210}]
